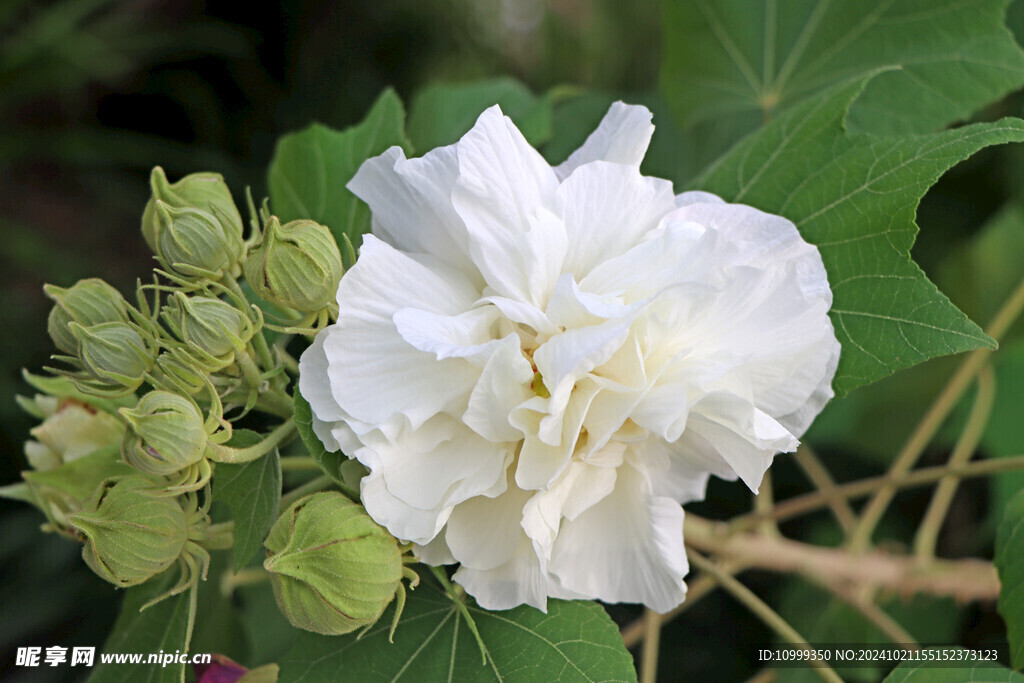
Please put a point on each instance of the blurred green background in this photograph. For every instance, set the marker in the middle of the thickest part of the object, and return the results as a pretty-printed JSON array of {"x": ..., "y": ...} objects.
[{"x": 93, "y": 93}]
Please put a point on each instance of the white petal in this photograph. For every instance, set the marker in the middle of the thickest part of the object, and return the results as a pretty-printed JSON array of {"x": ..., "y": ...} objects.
[
  {"x": 316, "y": 389},
  {"x": 627, "y": 548},
  {"x": 621, "y": 137},
  {"x": 484, "y": 533},
  {"x": 374, "y": 373},
  {"x": 502, "y": 187},
  {"x": 467, "y": 335},
  {"x": 503, "y": 385},
  {"x": 607, "y": 209},
  {"x": 698, "y": 197},
  {"x": 403, "y": 521},
  {"x": 411, "y": 203},
  {"x": 544, "y": 456},
  {"x": 519, "y": 581}
]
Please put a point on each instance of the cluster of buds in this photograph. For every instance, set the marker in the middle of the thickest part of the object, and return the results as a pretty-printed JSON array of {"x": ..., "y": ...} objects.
[{"x": 134, "y": 424}]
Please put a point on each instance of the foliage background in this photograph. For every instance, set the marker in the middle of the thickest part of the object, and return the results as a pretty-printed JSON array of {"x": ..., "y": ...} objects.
[{"x": 93, "y": 93}]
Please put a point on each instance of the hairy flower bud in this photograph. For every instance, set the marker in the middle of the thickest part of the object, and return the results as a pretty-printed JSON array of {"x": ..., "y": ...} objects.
[
  {"x": 192, "y": 241},
  {"x": 87, "y": 302},
  {"x": 206, "y": 191},
  {"x": 212, "y": 325},
  {"x": 166, "y": 433},
  {"x": 295, "y": 265},
  {"x": 70, "y": 430},
  {"x": 334, "y": 569},
  {"x": 131, "y": 533},
  {"x": 115, "y": 354}
]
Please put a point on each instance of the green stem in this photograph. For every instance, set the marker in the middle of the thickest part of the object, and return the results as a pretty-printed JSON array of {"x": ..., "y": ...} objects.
[
  {"x": 449, "y": 588},
  {"x": 312, "y": 486},
  {"x": 860, "y": 539},
  {"x": 823, "y": 481},
  {"x": 928, "y": 532},
  {"x": 761, "y": 610},
  {"x": 193, "y": 603},
  {"x": 250, "y": 576},
  {"x": 299, "y": 463},
  {"x": 219, "y": 536},
  {"x": 229, "y": 454}
]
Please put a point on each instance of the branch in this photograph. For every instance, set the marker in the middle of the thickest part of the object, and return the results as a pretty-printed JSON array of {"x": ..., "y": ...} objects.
[{"x": 966, "y": 579}]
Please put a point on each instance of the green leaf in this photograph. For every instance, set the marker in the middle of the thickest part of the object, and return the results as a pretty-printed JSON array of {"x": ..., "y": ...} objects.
[
  {"x": 160, "y": 627},
  {"x": 441, "y": 113},
  {"x": 1002, "y": 437},
  {"x": 310, "y": 168},
  {"x": 330, "y": 463},
  {"x": 855, "y": 197},
  {"x": 574, "y": 641},
  {"x": 729, "y": 65},
  {"x": 976, "y": 672},
  {"x": 1009, "y": 561},
  {"x": 252, "y": 490}
]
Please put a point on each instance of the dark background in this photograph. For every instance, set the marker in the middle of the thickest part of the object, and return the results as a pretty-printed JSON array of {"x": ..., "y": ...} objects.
[{"x": 94, "y": 93}]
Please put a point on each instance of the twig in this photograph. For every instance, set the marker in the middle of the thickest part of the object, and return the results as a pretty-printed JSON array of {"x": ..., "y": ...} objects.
[
  {"x": 649, "y": 654},
  {"x": 761, "y": 610},
  {"x": 765, "y": 501},
  {"x": 809, "y": 502},
  {"x": 928, "y": 532},
  {"x": 964, "y": 579},
  {"x": 823, "y": 481},
  {"x": 933, "y": 419},
  {"x": 892, "y": 629}
]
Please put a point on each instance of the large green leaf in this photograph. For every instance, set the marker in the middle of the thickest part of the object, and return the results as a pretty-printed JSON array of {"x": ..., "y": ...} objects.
[
  {"x": 574, "y": 641},
  {"x": 310, "y": 168},
  {"x": 441, "y": 113},
  {"x": 1010, "y": 564},
  {"x": 158, "y": 628},
  {"x": 855, "y": 197},
  {"x": 733, "y": 64},
  {"x": 252, "y": 490},
  {"x": 929, "y": 672}
]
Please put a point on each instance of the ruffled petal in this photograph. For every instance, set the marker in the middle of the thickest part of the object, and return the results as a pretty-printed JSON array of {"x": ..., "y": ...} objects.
[
  {"x": 626, "y": 548},
  {"x": 622, "y": 137},
  {"x": 607, "y": 209}
]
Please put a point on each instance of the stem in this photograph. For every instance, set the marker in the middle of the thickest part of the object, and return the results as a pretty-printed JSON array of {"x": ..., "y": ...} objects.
[
  {"x": 761, "y": 610},
  {"x": 193, "y": 603},
  {"x": 965, "y": 579},
  {"x": 823, "y": 481},
  {"x": 235, "y": 456},
  {"x": 219, "y": 536},
  {"x": 245, "y": 577},
  {"x": 442, "y": 578},
  {"x": 271, "y": 400},
  {"x": 933, "y": 419},
  {"x": 928, "y": 532},
  {"x": 299, "y": 463},
  {"x": 809, "y": 502},
  {"x": 649, "y": 654},
  {"x": 764, "y": 502},
  {"x": 873, "y": 613},
  {"x": 312, "y": 486}
]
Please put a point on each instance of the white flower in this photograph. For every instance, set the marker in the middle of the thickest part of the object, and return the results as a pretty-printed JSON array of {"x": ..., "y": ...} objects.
[{"x": 538, "y": 365}]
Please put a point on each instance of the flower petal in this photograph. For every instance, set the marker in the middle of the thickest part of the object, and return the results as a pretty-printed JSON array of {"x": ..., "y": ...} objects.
[
  {"x": 626, "y": 548},
  {"x": 622, "y": 137}
]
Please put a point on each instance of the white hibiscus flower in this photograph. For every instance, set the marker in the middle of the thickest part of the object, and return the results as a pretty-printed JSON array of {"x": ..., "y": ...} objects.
[{"x": 539, "y": 365}]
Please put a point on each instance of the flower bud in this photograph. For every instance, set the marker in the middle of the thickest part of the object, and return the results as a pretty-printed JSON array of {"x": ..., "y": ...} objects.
[
  {"x": 206, "y": 191},
  {"x": 70, "y": 430},
  {"x": 131, "y": 534},
  {"x": 166, "y": 433},
  {"x": 296, "y": 265},
  {"x": 333, "y": 569},
  {"x": 192, "y": 240},
  {"x": 88, "y": 302},
  {"x": 115, "y": 354},
  {"x": 210, "y": 324}
]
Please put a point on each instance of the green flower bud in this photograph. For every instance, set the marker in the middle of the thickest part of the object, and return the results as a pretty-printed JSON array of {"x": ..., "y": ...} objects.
[
  {"x": 88, "y": 302},
  {"x": 131, "y": 533},
  {"x": 296, "y": 265},
  {"x": 166, "y": 433},
  {"x": 213, "y": 325},
  {"x": 115, "y": 354},
  {"x": 333, "y": 569},
  {"x": 206, "y": 191},
  {"x": 70, "y": 430},
  {"x": 191, "y": 241}
]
